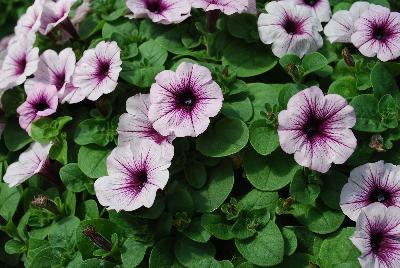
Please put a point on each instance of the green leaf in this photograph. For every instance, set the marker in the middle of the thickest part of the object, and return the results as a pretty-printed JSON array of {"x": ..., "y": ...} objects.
[
  {"x": 225, "y": 137},
  {"x": 15, "y": 138},
  {"x": 96, "y": 263},
  {"x": 162, "y": 254},
  {"x": 383, "y": 81},
  {"x": 153, "y": 53},
  {"x": 73, "y": 178},
  {"x": 90, "y": 26},
  {"x": 133, "y": 252},
  {"x": 217, "y": 226},
  {"x": 123, "y": 27},
  {"x": 313, "y": 62},
  {"x": 49, "y": 257},
  {"x": 319, "y": 220},
  {"x": 180, "y": 201},
  {"x": 95, "y": 131},
  {"x": 389, "y": 110},
  {"x": 265, "y": 249},
  {"x": 59, "y": 149},
  {"x": 302, "y": 191},
  {"x": 214, "y": 193},
  {"x": 250, "y": 222},
  {"x": 367, "y": 112},
  {"x": 92, "y": 161},
  {"x": 289, "y": 59},
  {"x": 240, "y": 109},
  {"x": 62, "y": 233},
  {"x": 344, "y": 86},
  {"x": 247, "y": 59},
  {"x": 11, "y": 100},
  {"x": 332, "y": 184},
  {"x": 298, "y": 260},
  {"x": 269, "y": 173},
  {"x": 196, "y": 232},
  {"x": 263, "y": 137},
  {"x": 195, "y": 174},
  {"x": 287, "y": 92},
  {"x": 243, "y": 26},
  {"x": 290, "y": 240},
  {"x": 14, "y": 247},
  {"x": 9, "y": 199},
  {"x": 338, "y": 249},
  {"x": 189, "y": 253},
  {"x": 256, "y": 199},
  {"x": 137, "y": 74},
  {"x": 45, "y": 129}
]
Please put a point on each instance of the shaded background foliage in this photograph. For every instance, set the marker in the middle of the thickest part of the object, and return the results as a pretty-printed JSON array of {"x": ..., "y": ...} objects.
[{"x": 234, "y": 198}]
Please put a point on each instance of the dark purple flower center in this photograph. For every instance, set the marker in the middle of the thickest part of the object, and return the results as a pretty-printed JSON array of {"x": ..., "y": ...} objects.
[
  {"x": 103, "y": 69},
  {"x": 186, "y": 99},
  {"x": 139, "y": 178},
  {"x": 291, "y": 26},
  {"x": 21, "y": 65},
  {"x": 313, "y": 127},
  {"x": 310, "y": 2},
  {"x": 59, "y": 80},
  {"x": 380, "y": 195},
  {"x": 379, "y": 32},
  {"x": 377, "y": 238},
  {"x": 155, "y": 6},
  {"x": 41, "y": 104}
]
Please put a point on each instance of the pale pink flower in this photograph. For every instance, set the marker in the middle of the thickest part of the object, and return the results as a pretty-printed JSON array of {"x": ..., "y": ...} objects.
[
  {"x": 290, "y": 28},
  {"x": 4, "y": 42},
  {"x": 21, "y": 61},
  {"x": 321, "y": 9},
  {"x": 160, "y": 11},
  {"x": 30, "y": 21},
  {"x": 370, "y": 183},
  {"x": 53, "y": 14},
  {"x": 228, "y": 7},
  {"x": 31, "y": 162},
  {"x": 182, "y": 102},
  {"x": 42, "y": 100},
  {"x": 56, "y": 69},
  {"x": 316, "y": 129},
  {"x": 377, "y": 33},
  {"x": 96, "y": 73},
  {"x": 81, "y": 12},
  {"x": 135, "y": 125},
  {"x": 377, "y": 236},
  {"x": 135, "y": 172}
]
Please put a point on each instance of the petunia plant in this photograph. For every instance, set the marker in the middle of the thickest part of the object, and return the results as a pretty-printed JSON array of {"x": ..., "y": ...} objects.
[{"x": 199, "y": 133}]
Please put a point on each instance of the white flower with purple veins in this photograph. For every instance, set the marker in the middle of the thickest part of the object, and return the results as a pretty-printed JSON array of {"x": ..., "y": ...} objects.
[
  {"x": 377, "y": 33},
  {"x": 30, "y": 21},
  {"x": 53, "y": 14},
  {"x": 377, "y": 236},
  {"x": 370, "y": 183},
  {"x": 81, "y": 12},
  {"x": 316, "y": 129},
  {"x": 96, "y": 73},
  {"x": 182, "y": 102},
  {"x": 42, "y": 100},
  {"x": 135, "y": 172},
  {"x": 4, "y": 42},
  {"x": 56, "y": 69},
  {"x": 228, "y": 7},
  {"x": 21, "y": 61},
  {"x": 31, "y": 162},
  {"x": 290, "y": 28},
  {"x": 160, "y": 11},
  {"x": 320, "y": 8},
  {"x": 340, "y": 28},
  {"x": 135, "y": 125}
]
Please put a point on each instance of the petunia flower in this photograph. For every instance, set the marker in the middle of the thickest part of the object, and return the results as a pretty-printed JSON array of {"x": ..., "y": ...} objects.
[
  {"x": 42, "y": 100},
  {"x": 377, "y": 236},
  {"x": 96, "y": 73},
  {"x": 56, "y": 69},
  {"x": 316, "y": 129},
  {"x": 377, "y": 33},
  {"x": 290, "y": 28},
  {"x": 30, "y": 21},
  {"x": 135, "y": 125},
  {"x": 135, "y": 172},
  {"x": 252, "y": 7},
  {"x": 31, "y": 162},
  {"x": 370, "y": 183},
  {"x": 340, "y": 28},
  {"x": 228, "y": 7},
  {"x": 4, "y": 42},
  {"x": 21, "y": 61},
  {"x": 54, "y": 14},
  {"x": 182, "y": 102},
  {"x": 81, "y": 12},
  {"x": 160, "y": 11},
  {"x": 320, "y": 8}
]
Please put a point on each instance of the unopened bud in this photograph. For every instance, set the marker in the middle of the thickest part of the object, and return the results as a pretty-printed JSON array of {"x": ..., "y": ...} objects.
[
  {"x": 376, "y": 143},
  {"x": 348, "y": 58},
  {"x": 44, "y": 202},
  {"x": 100, "y": 241}
]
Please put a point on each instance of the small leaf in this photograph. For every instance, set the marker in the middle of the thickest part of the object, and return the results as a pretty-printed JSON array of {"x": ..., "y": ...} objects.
[
  {"x": 313, "y": 62},
  {"x": 263, "y": 137},
  {"x": 73, "y": 178},
  {"x": 92, "y": 161}
]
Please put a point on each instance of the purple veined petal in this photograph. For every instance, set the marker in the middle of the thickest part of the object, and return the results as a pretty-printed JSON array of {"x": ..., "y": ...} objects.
[
  {"x": 182, "y": 102},
  {"x": 30, "y": 22},
  {"x": 160, "y": 11},
  {"x": 226, "y": 6},
  {"x": 53, "y": 14},
  {"x": 30, "y": 162},
  {"x": 321, "y": 9},
  {"x": 290, "y": 28},
  {"x": 377, "y": 236},
  {"x": 136, "y": 171},
  {"x": 96, "y": 73},
  {"x": 42, "y": 100},
  {"x": 316, "y": 129},
  {"x": 370, "y": 183},
  {"x": 81, "y": 12}
]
